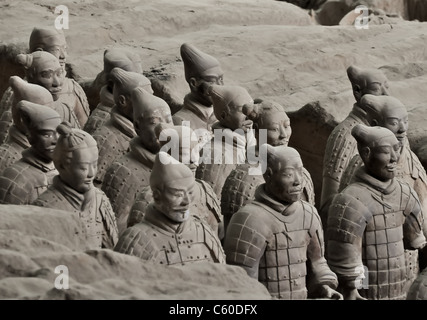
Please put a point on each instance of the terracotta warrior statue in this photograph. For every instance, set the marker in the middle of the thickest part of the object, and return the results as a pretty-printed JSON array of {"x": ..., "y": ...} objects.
[
  {"x": 373, "y": 220},
  {"x": 233, "y": 136},
  {"x": 271, "y": 125},
  {"x": 43, "y": 68},
  {"x": 47, "y": 39},
  {"x": 114, "y": 135},
  {"x": 75, "y": 157},
  {"x": 181, "y": 143},
  {"x": 389, "y": 112},
  {"x": 341, "y": 146},
  {"x": 201, "y": 71},
  {"x": 278, "y": 238},
  {"x": 169, "y": 233},
  {"x": 129, "y": 174},
  {"x": 67, "y": 90},
  {"x": 100, "y": 92},
  {"x": 23, "y": 181},
  {"x": 17, "y": 140}
]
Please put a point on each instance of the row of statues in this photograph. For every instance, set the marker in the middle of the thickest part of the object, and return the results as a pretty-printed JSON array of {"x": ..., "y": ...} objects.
[{"x": 216, "y": 180}]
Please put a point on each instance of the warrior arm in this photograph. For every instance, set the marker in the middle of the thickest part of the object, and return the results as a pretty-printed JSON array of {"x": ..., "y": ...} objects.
[
  {"x": 321, "y": 274},
  {"x": 413, "y": 226},
  {"x": 347, "y": 220},
  {"x": 244, "y": 245}
]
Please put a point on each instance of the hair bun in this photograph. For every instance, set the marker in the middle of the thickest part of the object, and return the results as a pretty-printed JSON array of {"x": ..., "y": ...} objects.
[
  {"x": 25, "y": 60},
  {"x": 64, "y": 129}
]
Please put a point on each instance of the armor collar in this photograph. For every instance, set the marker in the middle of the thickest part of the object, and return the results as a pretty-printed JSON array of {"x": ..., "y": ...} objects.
[
  {"x": 158, "y": 219},
  {"x": 282, "y": 208},
  {"x": 18, "y": 137},
  {"x": 30, "y": 157},
  {"x": 381, "y": 186},
  {"x": 79, "y": 201},
  {"x": 122, "y": 123},
  {"x": 106, "y": 97},
  {"x": 359, "y": 114},
  {"x": 203, "y": 112},
  {"x": 140, "y": 153}
]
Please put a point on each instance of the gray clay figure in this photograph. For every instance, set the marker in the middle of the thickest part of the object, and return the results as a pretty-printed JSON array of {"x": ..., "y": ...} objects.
[
  {"x": 341, "y": 146},
  {"x": 100, "y": 90},
  {"x": 201, "y": 70},
  {"x": 114, "y": 135},
  {"x": 271, "y": 124},
  {"x": 372, "y": 221},
  {"x": 169, "y": 234},
  {"x": 23, "y": 181},
  {"x": 129, "y": 174},
  {"x": 233, "y": 136},
  {"x": 182, "y": 143},
  {"x": 76, "y": 157},
  {"x": 278, "y": 238}
]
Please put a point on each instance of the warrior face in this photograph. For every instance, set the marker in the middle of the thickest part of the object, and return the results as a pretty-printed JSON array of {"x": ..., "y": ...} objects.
[
  {"x": 43, "y": 138},
  {"x": 381, "y": 161},
  {"x": 175, "y": 201},
  {"x": 278, "y": 128},
  {"x": 199, "y": 86},
  {"x": 285, "y": 181},
  {"x": 49, "y": 74},
  {"x": 79, "y": 171},
  {"x": 396, "y": 120},
  {"x": 146, "y": 124}
]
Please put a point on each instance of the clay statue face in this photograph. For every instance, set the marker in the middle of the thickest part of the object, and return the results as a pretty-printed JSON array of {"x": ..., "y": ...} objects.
[
  {"x": 285, "y": 182},
  {"x": 49, "y": 74},
  {"x": 43, "y": 138},
  {"x": 367, "y": 81},
  {"x": 381, "y": 161},
  {"x": 396, "y": 120},
  {"x": 57, "y": 46},
  {"x": 278, "y": 128},
  {"x": 146, "y": 126},
  {"x": 80, "y": 171},
  {"x": 174, "y": 202},
  {"x": 190, "y": 157},
  {"x": 199, "y": 87}
]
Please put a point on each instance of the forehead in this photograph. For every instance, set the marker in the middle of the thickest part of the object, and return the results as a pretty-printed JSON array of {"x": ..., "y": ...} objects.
[
  {"x": 48, "y": 64},
  {"x": 275, "y": 116},
  {"x": 290, "y": 162},
  {"x": 394, "y": 111},
  {"x": 85, "y": 155},
  {"x": 50, "y": 124},
  {"x": 54, "y": 40}
]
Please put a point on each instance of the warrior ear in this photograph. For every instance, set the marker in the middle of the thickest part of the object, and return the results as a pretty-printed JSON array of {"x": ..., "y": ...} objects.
[
  {"x": 193, "y": 83},
  {"x": 156, "y": 194},
  {"x": 268, "y": 174},
  {"x": 365, "y": 153}
]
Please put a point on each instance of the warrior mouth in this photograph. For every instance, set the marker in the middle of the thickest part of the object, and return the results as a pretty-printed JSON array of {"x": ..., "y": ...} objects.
[
  {"x": 283, "y": 142},
  {"x": 295, "y": 191},
  {"x": 56, "y": 90},
  {"x": 401, "y": 137},
  {"x": 391, "y": 168}
]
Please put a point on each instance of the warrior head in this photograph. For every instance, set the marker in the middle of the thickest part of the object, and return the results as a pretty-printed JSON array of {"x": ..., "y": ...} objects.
[
  {"x": 180, "y": 142},
  {"x": 283, "y": 173},
  {"x": 149, "y": 111},
  {"x": 228, "y": 104},
  {"x": 367, "y": 81},
  {"x": 379, "y": 149},
  {"x": 387, "y": 112},
  {"x": 201, "y": 70},
  {"x": 76, "y": 157},
  {"x": 124, "y": 83},
  {"x": 40, "y": 122},
  {"x": 43, "y": 68},
  {"x": 49, "y": 39},
  {"x": 172, "y": 184},
  {"x": 270, "y": 117}
]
